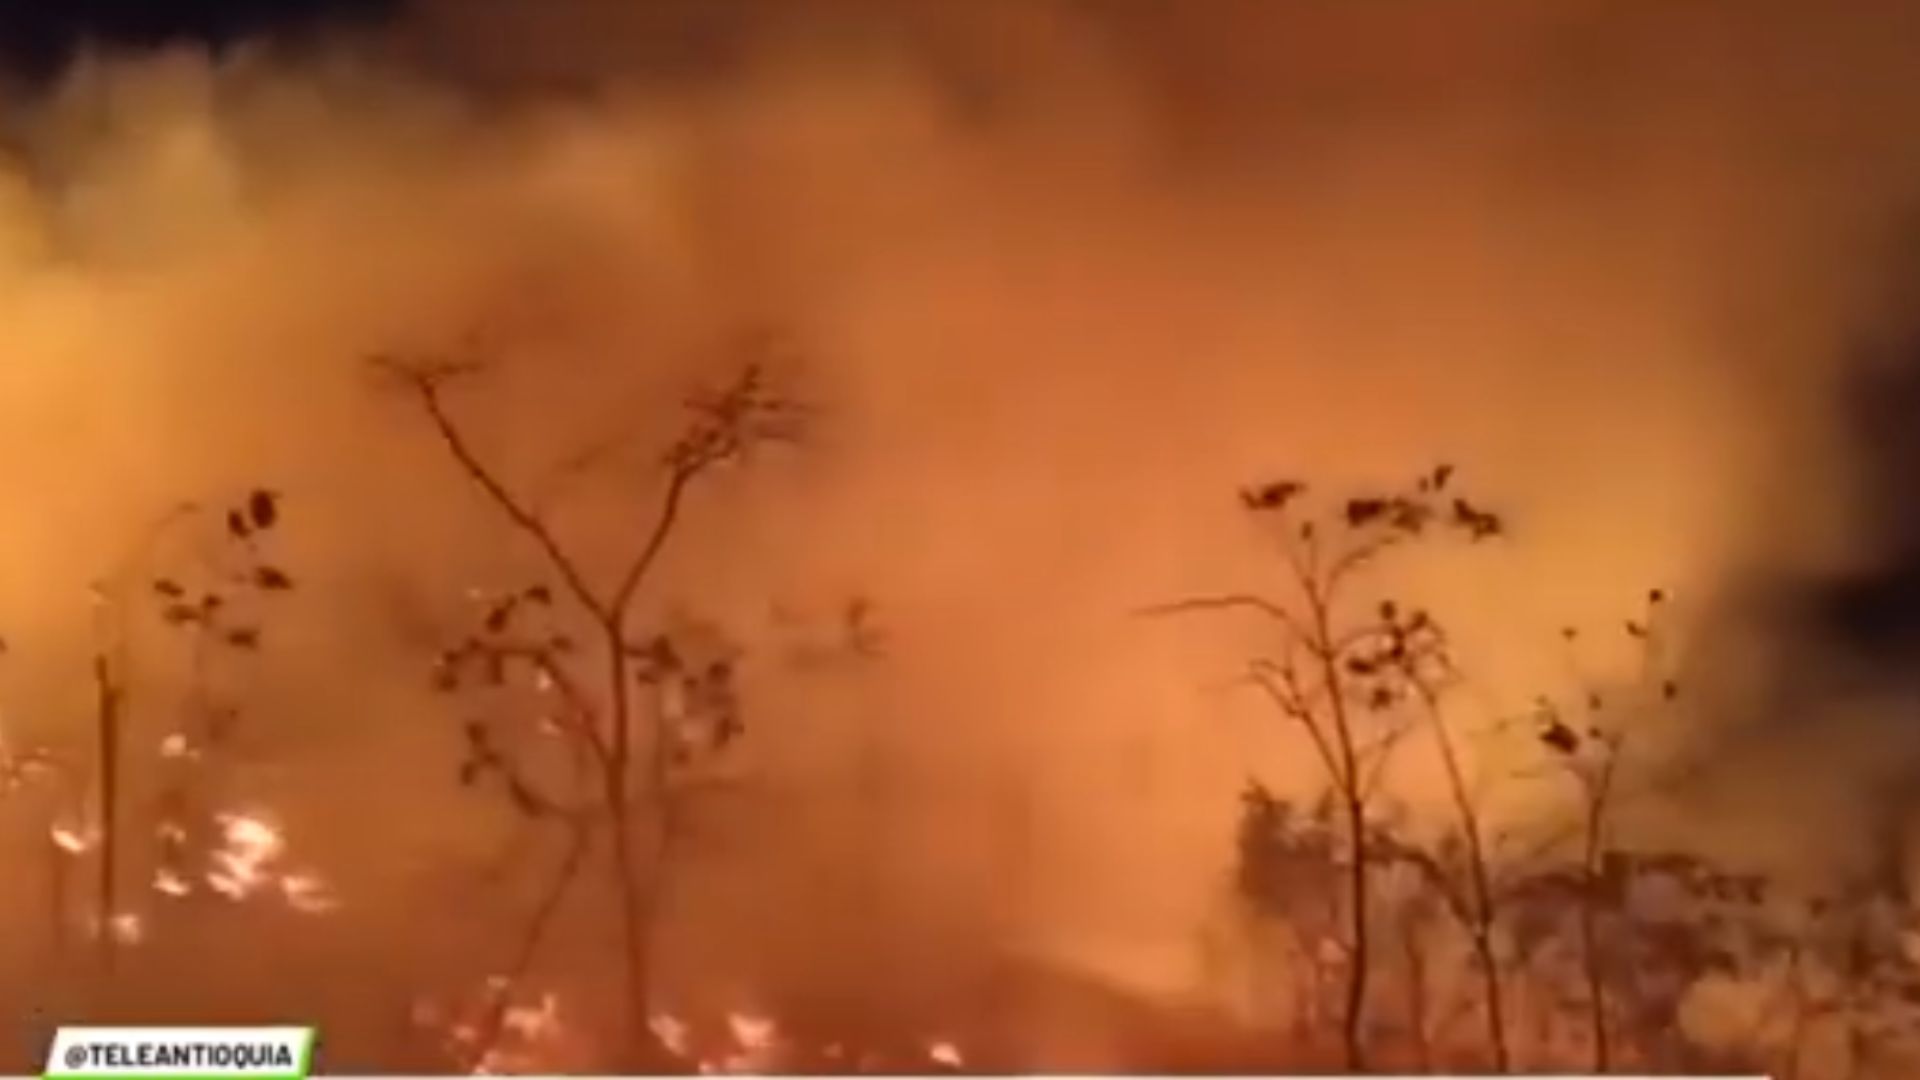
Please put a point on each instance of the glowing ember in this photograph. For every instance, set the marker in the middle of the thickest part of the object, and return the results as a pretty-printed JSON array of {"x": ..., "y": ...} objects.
[
  {"x": 251, "y": 837},
  {"x": 673, "y": 1033},
  {"x": 168, "y": 882},
  {"x": 306, "y": 893},
  {"x": 127, "y": 928},
  {"x": 19, "y": 768},
  {"x": 239, "y": 866},
  {"x": 752, "y": 1032},
  {"x": 538, "y": 1021},
  {"x": 942, "y": 1052},
  {"x": 493, "y": 1031},
  {"x": 756, "y": 1039},
  {"x": 247, "y": 863},
  {"x": 69, "y": 839}
]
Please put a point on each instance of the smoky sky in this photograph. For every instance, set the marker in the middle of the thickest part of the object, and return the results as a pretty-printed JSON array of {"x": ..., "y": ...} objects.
[{"x": 37, "y": 39}]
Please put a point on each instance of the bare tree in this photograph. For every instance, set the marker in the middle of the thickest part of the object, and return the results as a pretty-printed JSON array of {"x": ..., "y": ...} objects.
[
  {"x": 1589, "y": 753},
  {"x": 1347, "y": 674},
  {"x": 629, "y": 759}
]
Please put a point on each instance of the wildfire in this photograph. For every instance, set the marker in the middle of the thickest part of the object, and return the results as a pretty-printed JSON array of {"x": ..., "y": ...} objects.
[
  {"x": 492, "y": 1035},
  {"x": 499, "y": 1032},
  {"x": 752, "y": 1043},
  {"x": 248, "y": 862},
  {"x": 239, "y": 865}
]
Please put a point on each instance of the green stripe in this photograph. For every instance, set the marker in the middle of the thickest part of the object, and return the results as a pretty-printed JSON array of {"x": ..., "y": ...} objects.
[{"x": 136, "y": 1074}]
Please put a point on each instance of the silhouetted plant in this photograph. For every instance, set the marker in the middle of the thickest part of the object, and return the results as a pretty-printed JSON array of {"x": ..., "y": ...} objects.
[
  {"x": 201, "y": 573},
  {"x": 1357, "y": 679},
  {"x": 629, "y": 766}
]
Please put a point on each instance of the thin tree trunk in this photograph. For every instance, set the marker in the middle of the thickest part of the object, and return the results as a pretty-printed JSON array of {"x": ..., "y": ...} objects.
[
  {"x": 1417, "y": 1000},
  {"x": 108, "y": 715},
  {"x": 1481, "y": 918},
  {"x": 1599, "y": 794},
  {"x": 1590, "y": 956},
  {"x": 539, "y": 922},
  {"x": 637, "y": 889},
  {"x": 1495, "y": 1001},
  {"x": 1353, "y": 1019},
  {"x": 636, "y": 953},
  {"x": 1797, "y": 1030},
  {"x": 1349, "y": 782}
]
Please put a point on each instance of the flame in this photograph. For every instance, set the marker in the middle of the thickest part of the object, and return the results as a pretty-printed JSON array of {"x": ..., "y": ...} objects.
[
  {"x": 538, "y": 1021},
  {"x": 526, "y": 1036},
  {"x": 307, "y": 893},
  {"x": 19, "y": 767},
  {"x": 533, "y": 1037},
  {"x": 673, "y": 1033},
  {"x": 945, "y": 1052},
  {"x": 756, "y": 1041},
  {"x": 69, "y": 838},
  {"x": 239, "y": 865},
  {"x": 248, "y": 860},
  {"x": 127, "y": 928},
  {"x": 169, "y": 882}
]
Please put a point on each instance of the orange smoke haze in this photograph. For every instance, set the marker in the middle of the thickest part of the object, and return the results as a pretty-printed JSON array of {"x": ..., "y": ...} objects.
[{"x": 1059, "y": 276}]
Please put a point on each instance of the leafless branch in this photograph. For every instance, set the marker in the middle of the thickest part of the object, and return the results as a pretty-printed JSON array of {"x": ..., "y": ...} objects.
[
  {"x": 426, "y": 379},
  {"x": 1229, "y": 602},
  {"x": 1285, "y": 694}
]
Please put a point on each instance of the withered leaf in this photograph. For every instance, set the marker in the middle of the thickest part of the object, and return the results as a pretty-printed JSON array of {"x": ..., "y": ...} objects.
[
  {"x": 1362, "y": 511},
  {"x": 500, "y": 616},
  {"x": 523, "y": 798},
  {"x": 1271, "y": 496},
  {"x": 1479, "y": 524},
  {"x": 1560, "y": 737},
  {"x": 263, "y": 507}
]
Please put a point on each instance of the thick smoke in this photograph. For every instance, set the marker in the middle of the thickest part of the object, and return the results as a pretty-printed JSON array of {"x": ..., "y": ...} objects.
[{"x": 1060, "y": 278}]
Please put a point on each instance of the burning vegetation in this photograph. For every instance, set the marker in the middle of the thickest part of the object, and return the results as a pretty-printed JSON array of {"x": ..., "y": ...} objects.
[
  {"x": 1379, "y": 938},
  {"x": 484, "y": 711}
]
